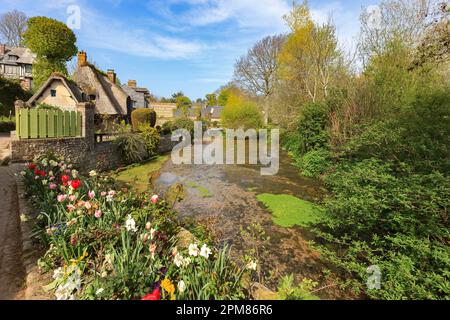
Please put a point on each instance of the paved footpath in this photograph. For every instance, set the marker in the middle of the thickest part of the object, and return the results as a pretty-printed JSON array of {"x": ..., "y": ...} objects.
[{"x": 12, "y": 272}]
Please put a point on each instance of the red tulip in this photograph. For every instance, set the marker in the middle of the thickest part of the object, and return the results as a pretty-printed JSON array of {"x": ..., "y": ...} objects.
[
  {"x": 64, "y": 180},
  {"x": 75, "y": 184},
  {"x": 31, "y": 166},
  {"x": 155, "y": 295},
  {"x": 39, "y": 173}
]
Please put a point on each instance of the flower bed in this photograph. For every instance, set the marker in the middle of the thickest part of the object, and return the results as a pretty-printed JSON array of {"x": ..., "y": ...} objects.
[{"x": 105, "y": 242}]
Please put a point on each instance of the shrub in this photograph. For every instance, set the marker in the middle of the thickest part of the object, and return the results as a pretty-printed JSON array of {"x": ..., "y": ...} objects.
[
  {"x": 132, "y": 147},
  {"x": 314, "y": 163},
  {"x": 151, "y": 137},
  {"x": 10, "y": 92},
  {"x": 143, "y": 116},
  {"x": 183, "y": 123},
  {"x": 313, "y": 127},
  {"x": 167, "y": 127},
  {"x": 241, "y": 112},
  {"x": 7, "y": 126}
]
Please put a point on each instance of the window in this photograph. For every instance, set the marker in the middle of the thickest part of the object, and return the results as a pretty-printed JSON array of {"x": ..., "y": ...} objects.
[
  {"x": 28, "y": 68},
  {"x": 92, "y": 97},
  {"x": 53, "y": 93}
]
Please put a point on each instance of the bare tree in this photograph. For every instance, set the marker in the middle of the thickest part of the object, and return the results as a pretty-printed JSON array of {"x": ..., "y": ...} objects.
[
  {"x": 256, "y": 71},
  {"x": 12, "y": 26},
  {"x": 392, "y": 19}
]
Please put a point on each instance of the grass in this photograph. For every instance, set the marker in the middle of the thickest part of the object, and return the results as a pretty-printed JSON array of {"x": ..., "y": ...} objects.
[
  {"x": 204, "y": 192},
  {"x": 289, "y": 211},
  {"x": 139, "y": 176}
]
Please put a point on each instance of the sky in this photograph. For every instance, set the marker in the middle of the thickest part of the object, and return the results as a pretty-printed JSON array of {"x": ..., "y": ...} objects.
[{"x": 182, "y": 45}]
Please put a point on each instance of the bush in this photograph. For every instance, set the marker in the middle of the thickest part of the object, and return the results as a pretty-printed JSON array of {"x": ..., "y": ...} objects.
[
  {"x": 314, "y": 163},
  {"x": 132, "y": 147},
  {"x": 10, "y": 92},
  {"x": 313, "y": 127},
  {"x": 7, "y": 126},
  {"x": 241, "y": 113},
  {"x": 143, "y": 116},
  {"x": 167, "y": 127},
  {"x": 183, "y": 123},
  {"x": 151, "y": 137}
]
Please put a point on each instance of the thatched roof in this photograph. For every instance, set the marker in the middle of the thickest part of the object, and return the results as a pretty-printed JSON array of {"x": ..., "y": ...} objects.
[{"x": 110, "y": 98}]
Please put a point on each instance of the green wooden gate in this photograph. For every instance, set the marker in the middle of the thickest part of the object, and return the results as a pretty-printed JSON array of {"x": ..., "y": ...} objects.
[{"x": 41, "y": 124}]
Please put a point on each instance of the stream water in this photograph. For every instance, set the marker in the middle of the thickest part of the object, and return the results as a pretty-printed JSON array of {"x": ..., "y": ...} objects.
[{"x": 223, "y": 197}]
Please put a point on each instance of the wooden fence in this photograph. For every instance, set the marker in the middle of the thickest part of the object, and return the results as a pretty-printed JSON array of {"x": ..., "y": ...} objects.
[{"x": 40, "y": 123}]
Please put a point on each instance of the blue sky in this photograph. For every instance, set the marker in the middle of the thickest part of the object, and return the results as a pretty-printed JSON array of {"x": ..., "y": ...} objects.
[{"x": 187, "y": 45}]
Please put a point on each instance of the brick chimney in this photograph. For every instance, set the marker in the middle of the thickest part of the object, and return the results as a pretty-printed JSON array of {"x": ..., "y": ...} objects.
[
  {"x": 111, "y": 75},
  {"x": 2, "y": 49},
  {"x": 82, "y": 59},
  {"x": 132, "y": 83}
]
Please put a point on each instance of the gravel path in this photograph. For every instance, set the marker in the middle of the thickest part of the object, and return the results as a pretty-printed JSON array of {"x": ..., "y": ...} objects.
[{"x": 12, "y": 272}]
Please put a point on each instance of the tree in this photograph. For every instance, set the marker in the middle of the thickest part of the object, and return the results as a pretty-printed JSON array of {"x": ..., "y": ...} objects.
[
  {"x": 257, "y": 71},
  {"x": 12, "y": 26},
  {"x": 211, "y": 99},
  {"x": 241, "y": 112},
  {"x": 53, "y": 43},
  {"x": 184, "y": 104},
  {"x": 310, "y": 54},
  {"x": 392, "y": 19}
]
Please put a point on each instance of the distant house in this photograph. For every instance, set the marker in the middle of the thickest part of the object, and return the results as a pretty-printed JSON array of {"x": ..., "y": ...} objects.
[
  {"x": 139, "y": 96},
  {"x": 102, "y": 89},
  {"x": 212, "y": 113},
  {"x": 59, "y": 91},
  {"x": 17, "y": 63}
]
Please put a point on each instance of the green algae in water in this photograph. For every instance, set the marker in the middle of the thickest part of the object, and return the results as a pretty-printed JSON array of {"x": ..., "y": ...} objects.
[
  {"x": 139, "y": 176},
  {"x": 204, "y": 192},
  {"x": 289, "y": 211}
]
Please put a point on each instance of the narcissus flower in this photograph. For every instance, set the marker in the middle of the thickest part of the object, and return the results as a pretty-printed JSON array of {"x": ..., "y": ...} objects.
[
  {"x": 205, "y": 251},
  {"x": 130, "y": 224},
  {"x": 181, "y": 286},
  {"x": 193, "y": 250},
  {"x": 252, "y": 265}
]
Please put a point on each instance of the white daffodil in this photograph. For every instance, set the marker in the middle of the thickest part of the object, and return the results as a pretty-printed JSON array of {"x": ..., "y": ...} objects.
[
  {"x": 181, "y": 286},
  {"x": 178, "y": 260},
  {"x": 92, "y": 173},
  {"x": 99, "y": 291},
  {"x": 130, "y": 224},
  {"x": 205, "y": 251},
  {"x": 193, "y": 250},
  {"x": 252, "y": 265}
]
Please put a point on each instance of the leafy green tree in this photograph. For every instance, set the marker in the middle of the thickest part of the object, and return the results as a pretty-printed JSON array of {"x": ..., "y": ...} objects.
[
  {"x": 241, "y": 112},
  {"x": 184, "y": 104},
  {"x": 53, "y": 43},
  {"x": 211, "y": 99}
]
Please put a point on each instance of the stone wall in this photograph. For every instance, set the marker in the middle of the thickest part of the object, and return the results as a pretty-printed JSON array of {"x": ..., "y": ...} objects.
[{"x": 83, "y": 152}]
